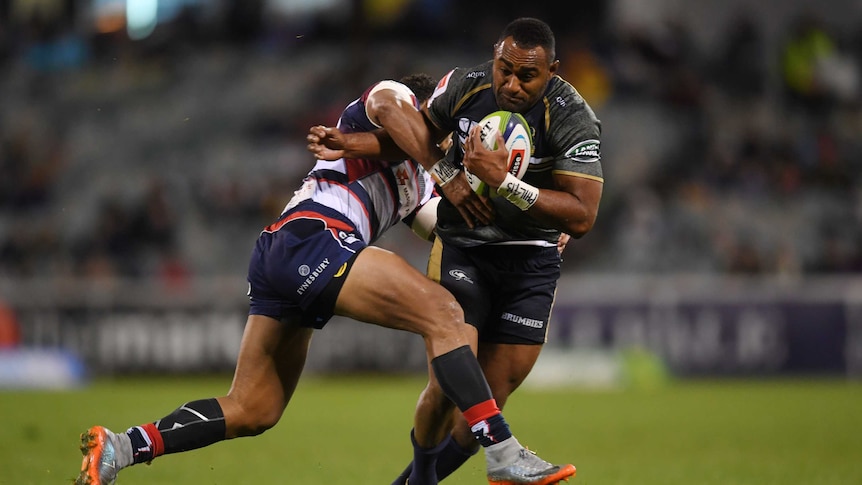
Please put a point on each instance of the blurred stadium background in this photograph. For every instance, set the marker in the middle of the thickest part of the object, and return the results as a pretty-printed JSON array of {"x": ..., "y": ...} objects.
[{"x": 144, "y": 143}]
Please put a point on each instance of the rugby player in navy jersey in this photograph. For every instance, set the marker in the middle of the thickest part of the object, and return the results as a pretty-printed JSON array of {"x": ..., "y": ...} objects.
[
  {"x": 316, "y": 260},
  {"x": 504, "y": 274}
]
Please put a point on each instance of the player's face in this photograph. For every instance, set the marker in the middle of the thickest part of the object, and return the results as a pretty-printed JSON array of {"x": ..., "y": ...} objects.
[{"x": 520, "y": 75}]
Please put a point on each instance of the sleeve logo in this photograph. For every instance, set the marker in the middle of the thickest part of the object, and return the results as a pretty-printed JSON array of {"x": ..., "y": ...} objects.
[{"x": 587, "y": 151}]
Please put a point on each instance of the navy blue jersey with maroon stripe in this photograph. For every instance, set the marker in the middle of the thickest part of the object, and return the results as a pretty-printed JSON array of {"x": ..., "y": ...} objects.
[
  {"x": 373, "y": 194},
  {"x": 341, "y": 208}
]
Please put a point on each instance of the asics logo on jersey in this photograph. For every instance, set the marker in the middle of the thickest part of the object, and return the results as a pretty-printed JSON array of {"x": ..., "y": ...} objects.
[{"x": 460, "y": 275}]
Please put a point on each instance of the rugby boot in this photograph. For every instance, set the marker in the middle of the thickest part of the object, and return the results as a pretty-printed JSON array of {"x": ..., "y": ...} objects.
[
  {"x": 99, "y": 467},
  {"x": 528, "y": 469}
]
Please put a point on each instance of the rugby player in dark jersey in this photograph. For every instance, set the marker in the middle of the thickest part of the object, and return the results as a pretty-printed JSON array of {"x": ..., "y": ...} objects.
[
  {"x": 317, "y": 260},
  {"x": 504, "y": 273}
]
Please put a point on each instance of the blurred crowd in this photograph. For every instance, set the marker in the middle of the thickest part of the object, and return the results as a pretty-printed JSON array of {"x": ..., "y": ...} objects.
[
  {"x": 163, "y": 156},
  {"x": 765, "y": 175}
]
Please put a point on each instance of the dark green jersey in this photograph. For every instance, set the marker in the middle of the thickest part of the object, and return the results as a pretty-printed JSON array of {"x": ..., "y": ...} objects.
[{"x": 566, "y": 140}]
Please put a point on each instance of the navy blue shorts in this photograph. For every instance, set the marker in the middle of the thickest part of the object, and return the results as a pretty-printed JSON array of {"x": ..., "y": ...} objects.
[
  {"x": 507, "y": 292},
  {"x": 300, "y": 263}
]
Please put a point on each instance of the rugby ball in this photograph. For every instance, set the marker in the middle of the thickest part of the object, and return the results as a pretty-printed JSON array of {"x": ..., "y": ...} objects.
[{"x": 519, "y": 144}]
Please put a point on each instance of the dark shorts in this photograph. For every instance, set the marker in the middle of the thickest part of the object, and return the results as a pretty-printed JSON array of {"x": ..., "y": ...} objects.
[
  {"x": 300, "y": 263},
  {"x": 507, "y": 292}
]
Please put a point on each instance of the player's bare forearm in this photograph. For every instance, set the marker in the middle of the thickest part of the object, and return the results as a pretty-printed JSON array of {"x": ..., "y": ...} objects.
[
  {"x": 412, "y": 131},
  {"x": 329, "y": 143},
  {"x": 371, "y": 144},
  {"x": 388, "y": 148},
  {"x": 572, "y": 209},
  {"x": 406, "y": 127}
]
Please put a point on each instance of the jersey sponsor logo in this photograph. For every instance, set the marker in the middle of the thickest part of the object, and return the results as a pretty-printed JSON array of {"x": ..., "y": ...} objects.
[
  {"x": 405, "y": 189},
  {"x": 312, "y": 275},
  {"x": 340, "y": 272},
  {"x": 587, "y": 151},
  {"x": 517, "y": 155},
  {"x": 475, "y": 74},
  {"x": 347, "y": 238},
  {"x": 460, "y": 275},
  {"x": 527, "y": 322}
]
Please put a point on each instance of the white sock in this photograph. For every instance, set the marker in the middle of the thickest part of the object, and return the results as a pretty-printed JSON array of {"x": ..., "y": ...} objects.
[
  {"x": 122, "y": 449},
  {"x": 502, "y": 453}
]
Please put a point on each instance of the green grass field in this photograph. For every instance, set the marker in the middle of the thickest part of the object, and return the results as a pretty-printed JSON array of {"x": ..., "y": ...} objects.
[{"x": 354, "y": 430}]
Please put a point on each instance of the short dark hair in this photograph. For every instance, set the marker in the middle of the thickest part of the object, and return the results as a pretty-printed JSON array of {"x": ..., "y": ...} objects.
[
  {"x": 529, "y": 32},
  {"x": 421, "y": 84}
]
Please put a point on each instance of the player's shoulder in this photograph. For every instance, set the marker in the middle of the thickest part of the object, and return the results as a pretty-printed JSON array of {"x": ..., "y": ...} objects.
[
  {"x": 395, "y": 89},
  {"x": 356, "y": 117},
  {"x": 385, "y": 84},
  {"x": 569, "y": 121},
  {"x": 470, "y": 77},
  {"x": 565, "y": 102},
  {"x": 456, "y": 89}
]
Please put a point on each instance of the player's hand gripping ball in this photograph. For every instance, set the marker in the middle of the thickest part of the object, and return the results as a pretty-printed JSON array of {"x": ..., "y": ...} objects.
[{"x": 519, "y": 144}]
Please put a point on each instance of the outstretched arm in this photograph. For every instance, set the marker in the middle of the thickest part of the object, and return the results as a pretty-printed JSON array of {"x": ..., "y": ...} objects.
[
  {"x": 329, "y": 143},
  {"x": 409, "y": 131},
  {"x": 414, "y": 132}
]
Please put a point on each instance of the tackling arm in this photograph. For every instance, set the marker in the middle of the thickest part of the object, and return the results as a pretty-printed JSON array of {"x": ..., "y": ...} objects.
[
  {"x": 410, "y": 131},
  {"x": 329, "y": 143},
  {"x": 405, "y": 126}
]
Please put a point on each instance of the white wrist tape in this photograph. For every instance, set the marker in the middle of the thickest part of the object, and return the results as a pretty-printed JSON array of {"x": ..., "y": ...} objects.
[
  {"x": 443, "y": 172},
  {"x": 518, "y": 192}
]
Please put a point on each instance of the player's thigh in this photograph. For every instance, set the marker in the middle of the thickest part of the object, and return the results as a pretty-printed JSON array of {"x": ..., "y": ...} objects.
[
  {"x": 270, "y": 361},
  {"x": 506, "y": 366},
  {"x": 384, "y": 289}
]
